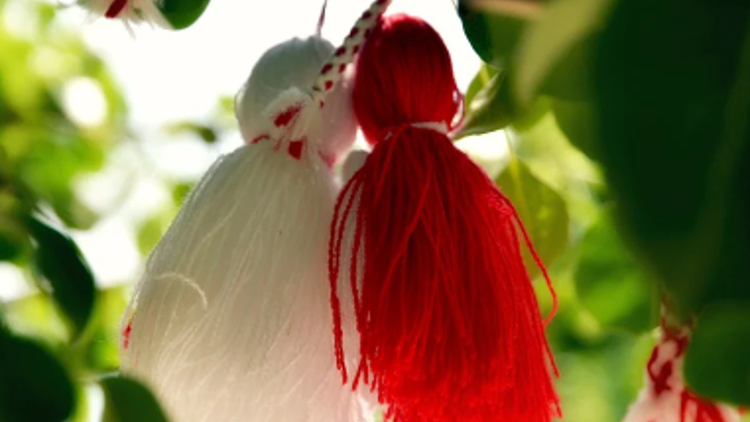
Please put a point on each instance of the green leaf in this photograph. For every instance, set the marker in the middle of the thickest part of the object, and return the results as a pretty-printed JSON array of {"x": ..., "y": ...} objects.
[
  {"x": 487, "y": 109},
  {"x": 206, "y": 133},
  {"x": 547, "y": 44},
  {"x": 494, "y": 36},
  {"x": 716, "y": 363},
  {"x": 570, "y": 77},
  {"x": 58, "y": 260},
  {"x": 127, "y": 400},
  {"x": 673, "y": 100},
  {"x": 560, "y": 30},
  {"x": 490, "y": 107},
  {"x": 10, "y": 248},
  {"x": 180, "y": 192},
  {"x": 33, "y": 385},
  {"x": 479, "y": 83},
  {"x": 610, "y": 284},
  {"x": 182, "y": 13},
  {"x": 13, "y": 237},
  {"x": 541, "y": 209},
  {"x": 48, "y": 164},
  {"x": 36, "y": 316},
  {"x": 151, "y": 230},
  {"x": 577, "y": 120},
  {"x": 100, "y": 349},
  {"x": 527, "y": 118},
  {"x": 74, "y": 213}
]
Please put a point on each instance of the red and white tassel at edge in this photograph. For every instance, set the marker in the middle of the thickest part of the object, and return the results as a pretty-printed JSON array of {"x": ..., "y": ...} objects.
[
  {"x": 230, "y": 321},
  {"x": 664, "y": 397}
]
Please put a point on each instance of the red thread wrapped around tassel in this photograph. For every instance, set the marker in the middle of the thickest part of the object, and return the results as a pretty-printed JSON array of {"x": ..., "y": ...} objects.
[{"x": 449, "y": 324}]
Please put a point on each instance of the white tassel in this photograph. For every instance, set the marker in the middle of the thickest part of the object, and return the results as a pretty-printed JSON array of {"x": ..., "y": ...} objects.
[
  {"x": 665, "y": 398},
  {"x": 129, "y": 11},
  {"x": 231, "y": 320}
]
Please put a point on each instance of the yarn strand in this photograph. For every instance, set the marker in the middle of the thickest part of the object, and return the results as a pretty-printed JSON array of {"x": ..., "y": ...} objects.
[{"x": 539, "y": 264}]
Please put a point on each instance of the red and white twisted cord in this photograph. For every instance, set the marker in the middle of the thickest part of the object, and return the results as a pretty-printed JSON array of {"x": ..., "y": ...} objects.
[{"x": 334, "y": 68}]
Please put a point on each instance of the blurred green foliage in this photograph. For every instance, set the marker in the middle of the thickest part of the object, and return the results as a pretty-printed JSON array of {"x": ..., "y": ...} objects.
[
  {"x": 34, "y": 386},
  {"x": 607, "y": 270},
  {"x": 63, "y": 272},
  {"x": 724, "y": 326},
  {"x": 120, "y": 396},
  {"x": 182, "y": 13},
  {"x": 541, "y": 209},
  {"x": 658, "y": 94},
  {"x": 57, "y": 343},
  {"x": 690, "y": 139},
  {"x": 629, "y": 167}
]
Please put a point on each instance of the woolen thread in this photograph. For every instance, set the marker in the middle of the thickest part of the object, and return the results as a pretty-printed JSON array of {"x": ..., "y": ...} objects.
[
  {"x": 427, "y": 246},
  {"x": 129, "y": 11},
  {"x": 230, "y": 321}
]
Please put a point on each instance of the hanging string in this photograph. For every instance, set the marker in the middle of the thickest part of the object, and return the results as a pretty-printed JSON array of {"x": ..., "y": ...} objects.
[
  {"x": 334, "y": 68},
  {"x": 321, "y": 18}
]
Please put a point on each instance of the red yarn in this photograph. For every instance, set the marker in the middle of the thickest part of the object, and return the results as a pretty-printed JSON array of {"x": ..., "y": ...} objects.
[
  {"x": 705, "y": 411},
  {"x": 115, "y": 8},
  {"x": 449, "y": 324}
]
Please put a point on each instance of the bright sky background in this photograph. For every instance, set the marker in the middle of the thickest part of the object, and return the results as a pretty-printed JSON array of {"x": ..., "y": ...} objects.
[{"x": 171, "y": 76}]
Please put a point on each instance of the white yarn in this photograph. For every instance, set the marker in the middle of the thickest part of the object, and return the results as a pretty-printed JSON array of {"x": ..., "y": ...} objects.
[
  {"x": 231, "y": 320},
  {"x": 440, "y": 127},
  {"x": 666, "y": 406},
  {"x": 135, "y": 11},
  {"x": 354, "y": 161}
]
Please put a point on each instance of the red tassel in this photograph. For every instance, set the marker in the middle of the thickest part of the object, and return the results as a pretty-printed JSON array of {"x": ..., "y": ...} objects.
[{"x": 449, "y": 324}]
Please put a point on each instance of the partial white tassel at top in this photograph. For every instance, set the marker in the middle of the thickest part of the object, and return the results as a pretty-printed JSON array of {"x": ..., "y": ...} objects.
[
  {"x": 167, "y": 14},
  {"x": 231, "y": 320}
]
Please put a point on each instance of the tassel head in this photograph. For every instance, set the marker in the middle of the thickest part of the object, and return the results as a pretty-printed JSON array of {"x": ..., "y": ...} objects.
[
  {"x": 385, "y": 97},
  {"x": 275, "y": 93}
]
